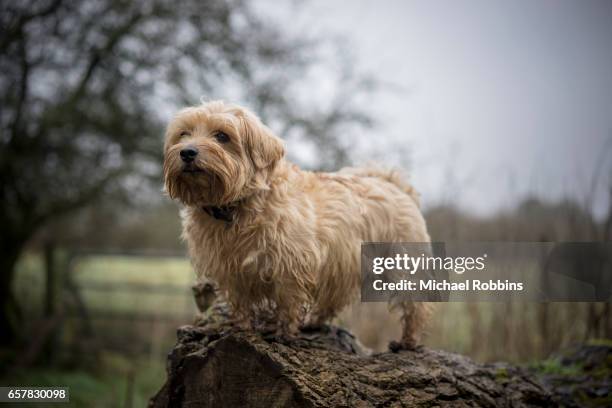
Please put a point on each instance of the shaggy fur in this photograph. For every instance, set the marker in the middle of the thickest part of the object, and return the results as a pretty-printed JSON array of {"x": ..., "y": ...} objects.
[{"x": 292, "y": 245}]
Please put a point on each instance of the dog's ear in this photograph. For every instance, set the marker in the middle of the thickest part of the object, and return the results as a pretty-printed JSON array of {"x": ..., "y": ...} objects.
[{"x": 264, "y": 148}]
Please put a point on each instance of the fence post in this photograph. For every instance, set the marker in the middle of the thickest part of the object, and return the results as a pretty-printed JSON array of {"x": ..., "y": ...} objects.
[
  {"x": 129, "y": 388},
  {"x": 51, "y": 287}
]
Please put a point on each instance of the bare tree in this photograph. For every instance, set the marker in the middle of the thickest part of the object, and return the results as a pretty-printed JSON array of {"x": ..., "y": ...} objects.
[{"x": 83, "y": 84}]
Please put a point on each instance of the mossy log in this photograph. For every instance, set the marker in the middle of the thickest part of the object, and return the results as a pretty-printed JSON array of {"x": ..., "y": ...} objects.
[{"x": 215, "y": 364}]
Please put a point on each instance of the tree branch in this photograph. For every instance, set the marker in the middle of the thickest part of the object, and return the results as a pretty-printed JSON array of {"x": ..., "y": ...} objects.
[
  {"x": 99, "y": 54},
  {"x": 12, "y": 33},
  {"x": 23, "y": 89}
]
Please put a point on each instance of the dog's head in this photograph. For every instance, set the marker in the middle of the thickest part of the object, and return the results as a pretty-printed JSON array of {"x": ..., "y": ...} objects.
[{"x": 218, "y": 153}]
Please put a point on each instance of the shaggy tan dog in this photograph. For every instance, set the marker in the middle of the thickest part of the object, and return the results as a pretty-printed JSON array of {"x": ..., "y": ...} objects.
[{"x": 272, "y": 236}]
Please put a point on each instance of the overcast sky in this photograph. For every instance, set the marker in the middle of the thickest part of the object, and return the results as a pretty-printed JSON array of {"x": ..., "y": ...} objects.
[{"x": 498, "y": 98}]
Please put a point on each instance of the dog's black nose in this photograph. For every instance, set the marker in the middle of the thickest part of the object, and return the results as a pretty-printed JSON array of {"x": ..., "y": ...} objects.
[{"x": 188, "y": 154}]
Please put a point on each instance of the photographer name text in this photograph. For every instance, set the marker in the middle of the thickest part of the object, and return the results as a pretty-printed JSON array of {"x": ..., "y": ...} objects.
[{"x": 407, "y": 265}]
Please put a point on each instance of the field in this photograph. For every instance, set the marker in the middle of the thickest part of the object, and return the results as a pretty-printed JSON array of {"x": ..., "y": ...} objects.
[
  {"x": 134, "y": 305},
  {"x": 116, "y": 345},
  {"x": 105, "y": 283}
]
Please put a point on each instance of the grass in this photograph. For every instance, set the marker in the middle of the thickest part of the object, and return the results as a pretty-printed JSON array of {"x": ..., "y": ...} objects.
[
  {"x": 555, "y": 367},
  {"x": 97, "y": 369},
  {"x": 486, "y": 331},
  {"x": 128, "y": 269},
  {"x": 121, "y": 271},
  {"x": 125, "y": 271},
  {"x": 104, "y": 386}
]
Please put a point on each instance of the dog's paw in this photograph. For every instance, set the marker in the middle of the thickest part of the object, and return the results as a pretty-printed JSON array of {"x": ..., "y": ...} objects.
[
  {"x": 315, "y": 328},
  {"x": 397, "y": 346}
]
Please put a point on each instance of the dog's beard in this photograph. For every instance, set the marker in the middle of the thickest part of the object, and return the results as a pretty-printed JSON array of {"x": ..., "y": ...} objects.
[
  {"x": 200, "y": 183},
  {"x": 191, "y": 184},
  {"x": 193, "y": 188}
]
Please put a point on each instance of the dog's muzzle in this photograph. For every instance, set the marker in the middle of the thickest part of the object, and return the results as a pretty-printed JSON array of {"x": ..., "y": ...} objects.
[{"x": 188, "y": 154}]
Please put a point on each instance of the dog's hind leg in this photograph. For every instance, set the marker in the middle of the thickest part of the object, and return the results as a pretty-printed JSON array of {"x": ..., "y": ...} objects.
[{"x": 414, "y": 317}]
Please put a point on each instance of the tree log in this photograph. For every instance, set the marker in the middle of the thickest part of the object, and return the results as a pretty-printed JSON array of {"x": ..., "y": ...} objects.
[{"x": 215, "y": 364}]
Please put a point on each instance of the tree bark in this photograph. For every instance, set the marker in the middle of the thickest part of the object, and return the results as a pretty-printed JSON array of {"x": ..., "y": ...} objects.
[
  {"x": 9, "y": 308},
  {"x": 11, "y": 246},
  {"x": 215, "y": 364}
]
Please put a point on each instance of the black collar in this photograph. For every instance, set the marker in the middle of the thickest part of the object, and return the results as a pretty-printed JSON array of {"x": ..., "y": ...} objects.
[{"x": 224, "y": 213}]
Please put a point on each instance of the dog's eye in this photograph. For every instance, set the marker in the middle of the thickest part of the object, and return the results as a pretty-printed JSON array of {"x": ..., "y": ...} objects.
[
  {"x": 185, "y": 133},
  {"x": 222, "y": 137}
]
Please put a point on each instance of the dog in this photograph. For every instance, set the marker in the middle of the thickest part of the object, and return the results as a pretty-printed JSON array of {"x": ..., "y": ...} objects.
[{"x": 274, "y": 237}]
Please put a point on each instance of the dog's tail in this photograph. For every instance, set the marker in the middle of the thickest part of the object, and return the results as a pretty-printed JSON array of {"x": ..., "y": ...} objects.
[{"x": 391, "y": 176}]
